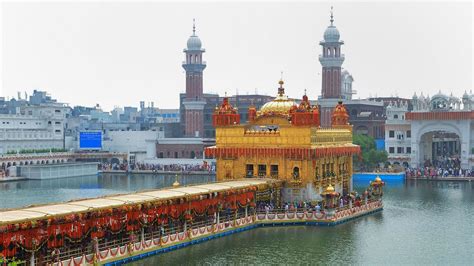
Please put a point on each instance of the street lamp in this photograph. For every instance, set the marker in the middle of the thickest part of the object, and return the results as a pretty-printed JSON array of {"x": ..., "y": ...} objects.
[{"x": 128, "y": 155}]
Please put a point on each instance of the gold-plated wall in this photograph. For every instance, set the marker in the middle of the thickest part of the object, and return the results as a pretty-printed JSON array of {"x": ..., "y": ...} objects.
[
  {"x": 319, "y": 172},
  {"x": 334, "y": 169}
]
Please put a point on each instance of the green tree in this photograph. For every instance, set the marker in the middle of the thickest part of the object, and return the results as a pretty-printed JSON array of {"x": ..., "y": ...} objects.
[{"x": 371, "y": 157}]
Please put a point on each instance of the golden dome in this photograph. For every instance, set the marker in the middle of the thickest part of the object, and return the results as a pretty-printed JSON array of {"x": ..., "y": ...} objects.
[
  {"x": 281, "y": 105},
  {"x": 377, "y": 182},
  {"x": 340, "y": 116},
  {"x": 329, "y": 192},
  {"x": 330, "y": 189}
]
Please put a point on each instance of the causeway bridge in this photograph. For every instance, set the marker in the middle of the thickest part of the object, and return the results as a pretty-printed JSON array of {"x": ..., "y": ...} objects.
[{"x": 116, "y": 229}]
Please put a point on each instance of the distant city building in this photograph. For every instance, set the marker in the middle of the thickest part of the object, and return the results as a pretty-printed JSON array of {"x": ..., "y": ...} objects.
[
  {"x": 100, "y": 116},
  {"x": 398, "y": 133},
  {"x": 367, "y": 117},
  {"x": 346, "y": 85},
  {"x": 34, "y": 127},
  {"x": 140, "y": 144},
  {"x": 182, "y": 148},
  {"x": 392, "y": 100},
  {"x": 41, "y": 97}
]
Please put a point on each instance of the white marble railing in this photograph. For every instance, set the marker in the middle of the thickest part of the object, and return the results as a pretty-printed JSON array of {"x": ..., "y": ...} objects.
[
  {"x": 112, "y": 254},
  {"x": 319, "y": 216},
  {"x": 122, "y": 252}
]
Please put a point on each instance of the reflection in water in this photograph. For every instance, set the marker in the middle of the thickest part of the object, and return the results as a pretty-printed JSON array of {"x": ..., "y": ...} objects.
[
  {"x": 22, "y": 193},
  {"x": 423, "y": 222}
]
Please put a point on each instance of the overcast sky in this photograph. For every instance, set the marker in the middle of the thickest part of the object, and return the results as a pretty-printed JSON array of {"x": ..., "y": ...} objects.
[{"x": 120, "y": 53}]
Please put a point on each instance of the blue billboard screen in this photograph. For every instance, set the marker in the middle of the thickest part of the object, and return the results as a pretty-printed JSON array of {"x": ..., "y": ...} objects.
[
  {"x": 380, "y": 144},
  {"x": 90, "y": 140}
]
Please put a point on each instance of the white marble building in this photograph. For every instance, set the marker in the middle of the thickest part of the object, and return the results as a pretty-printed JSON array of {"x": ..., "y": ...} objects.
[
  {"x": 139, "y": 144},
  {"x": 398, "y": 133},
  {"x": 439, "y": 131},
  {"x": 34, "y": 127}
]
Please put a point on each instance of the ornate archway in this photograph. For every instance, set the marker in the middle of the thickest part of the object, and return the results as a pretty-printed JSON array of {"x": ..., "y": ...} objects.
[
  {"x": 440, "y": 149},
  {"x": 439, "y": 143}
]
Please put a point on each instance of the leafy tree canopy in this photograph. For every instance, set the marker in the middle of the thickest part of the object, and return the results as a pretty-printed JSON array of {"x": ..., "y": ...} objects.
[{"x": 371, "y": 157}]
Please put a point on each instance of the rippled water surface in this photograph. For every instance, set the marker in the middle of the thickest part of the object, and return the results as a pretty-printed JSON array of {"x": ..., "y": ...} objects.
[
  {"x": 423, "y": 222},
  {"x": 22, "y": 193}
]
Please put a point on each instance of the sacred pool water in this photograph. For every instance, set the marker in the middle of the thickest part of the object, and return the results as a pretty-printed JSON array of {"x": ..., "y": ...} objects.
[
  {"x": 423, "y": 222},
  {"x": 22, "y": 193}
]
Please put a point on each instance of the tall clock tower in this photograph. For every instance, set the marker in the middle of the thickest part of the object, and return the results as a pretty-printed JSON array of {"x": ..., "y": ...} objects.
[
  {"x": 331, "y": 61},
  {"x": 194, "y": 102}
]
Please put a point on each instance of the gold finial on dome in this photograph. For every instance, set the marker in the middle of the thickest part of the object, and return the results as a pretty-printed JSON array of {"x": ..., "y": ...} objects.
[
  {"x": 281, "y": 90},
  {"x": 281, "y": 105},
  {"x": 332, "y": 16}
]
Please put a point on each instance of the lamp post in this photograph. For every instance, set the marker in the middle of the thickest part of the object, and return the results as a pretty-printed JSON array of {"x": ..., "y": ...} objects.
[{"x": 128, "y": 155}]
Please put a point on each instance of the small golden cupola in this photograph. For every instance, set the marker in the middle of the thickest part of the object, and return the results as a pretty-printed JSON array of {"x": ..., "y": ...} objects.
[
  {"x": 305, "y": 114},
  {"x": 340, "y": 117},
  {"x": 252, "y": 113},
  {"x": 305, "y": 105},
  {"x": 225, "y": 114},
  {"x": 280, "y": 106}
]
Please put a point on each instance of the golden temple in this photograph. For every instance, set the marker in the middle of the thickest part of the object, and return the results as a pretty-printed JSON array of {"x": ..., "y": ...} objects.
[{"x": 285, "y": 141}]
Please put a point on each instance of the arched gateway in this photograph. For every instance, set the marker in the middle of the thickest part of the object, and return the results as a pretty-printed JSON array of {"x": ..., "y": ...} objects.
[{"x": 441, "y": 132}]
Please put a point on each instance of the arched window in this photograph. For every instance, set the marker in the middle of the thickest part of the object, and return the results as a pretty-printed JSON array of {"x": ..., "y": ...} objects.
[{"x": 296, "y": 173}]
